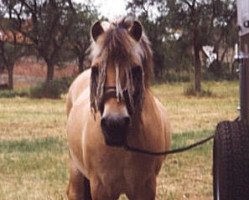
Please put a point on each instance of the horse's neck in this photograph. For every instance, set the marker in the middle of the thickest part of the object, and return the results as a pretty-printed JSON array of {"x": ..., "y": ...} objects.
[
  {"x": 149, "y": 102},
  {"x": 150, "y": 112}
]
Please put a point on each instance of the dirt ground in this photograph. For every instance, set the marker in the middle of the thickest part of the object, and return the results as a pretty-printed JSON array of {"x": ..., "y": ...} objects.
[{"x": 30, "y": 71}]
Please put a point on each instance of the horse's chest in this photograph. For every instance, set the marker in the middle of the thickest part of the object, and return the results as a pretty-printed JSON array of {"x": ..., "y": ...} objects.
[{"x": 122, "y": 170}]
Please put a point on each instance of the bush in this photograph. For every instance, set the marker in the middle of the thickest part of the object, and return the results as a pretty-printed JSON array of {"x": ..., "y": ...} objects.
[
  {"x": 14, "y": 93},
  {"x": 52, "y": 90},
  {"x": 220, "y": 71},
  {"x": 190, "y": 91}
]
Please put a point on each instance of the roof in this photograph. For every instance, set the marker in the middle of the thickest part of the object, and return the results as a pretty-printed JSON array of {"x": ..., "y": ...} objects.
[{"x": 10, "y": 35}]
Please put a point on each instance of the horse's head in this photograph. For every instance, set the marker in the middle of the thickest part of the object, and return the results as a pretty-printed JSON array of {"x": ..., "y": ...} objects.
[{"x": 121, "y": 66}]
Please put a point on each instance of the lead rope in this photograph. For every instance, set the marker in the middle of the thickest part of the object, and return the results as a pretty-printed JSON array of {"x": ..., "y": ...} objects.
[{"x": 167, "y": 152}]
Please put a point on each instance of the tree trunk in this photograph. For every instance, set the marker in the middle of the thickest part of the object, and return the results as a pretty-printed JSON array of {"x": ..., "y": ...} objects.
[
  {"x": 50, "y": 73},
  {"x": 244, "y": 87},
  {"x": 197, "y": 69},
  {"x": 10, "y": 77},
  {"x": 81, "y": 63}
]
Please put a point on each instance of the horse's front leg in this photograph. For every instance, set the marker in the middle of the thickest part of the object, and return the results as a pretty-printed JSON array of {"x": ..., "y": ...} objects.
[
  {"x": 79, "y": 186},
  {"x": 102, "y": 191},
  {"x": 146, "y": 191}
]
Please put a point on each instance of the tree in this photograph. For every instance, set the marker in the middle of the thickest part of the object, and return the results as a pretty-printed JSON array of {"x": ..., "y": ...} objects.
[
  {"x": 225, "y": 32},
  {"x": 13, "y": 45},
  {"x": 10, "y": 52},
  {"x": 198, "y": 22},
  {"x": 194, "y": 20},
  {"x": 47, "y": 23},
  {"x": 155, "y": 29},
  {"x": 203, "y": 22},
  {"x": 79, "y": 34}
]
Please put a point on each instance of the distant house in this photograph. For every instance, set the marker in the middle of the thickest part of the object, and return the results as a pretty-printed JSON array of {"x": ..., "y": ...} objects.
[
  {"x": 208, "y": 52},
  {"x": 6, "y": 34}
]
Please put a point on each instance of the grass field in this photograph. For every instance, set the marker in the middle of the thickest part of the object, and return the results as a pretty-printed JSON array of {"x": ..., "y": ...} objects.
[{"x": 34, "y": 156}]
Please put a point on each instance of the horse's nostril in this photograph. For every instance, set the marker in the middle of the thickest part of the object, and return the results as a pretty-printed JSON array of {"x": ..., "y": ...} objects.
[
  {"x": 114, "y": 123},
  {"x": 103, "y": 122},
  {"x": 127, "y": 121},
  {"x": 115, "y": 129}
]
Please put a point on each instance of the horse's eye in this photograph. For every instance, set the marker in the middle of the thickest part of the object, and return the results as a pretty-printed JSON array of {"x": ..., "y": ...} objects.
[
  {"x": 137, "y": 72},
  {"x": 94, "y": 75},
  {"x": 95, "y": 69}
]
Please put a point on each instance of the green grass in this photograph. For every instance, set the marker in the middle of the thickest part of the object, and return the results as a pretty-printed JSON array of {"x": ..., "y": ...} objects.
[
  {"x": 34, "y": 155},
  {"x": 32, "y": 146},
  {"x": 33, "y": 169}
]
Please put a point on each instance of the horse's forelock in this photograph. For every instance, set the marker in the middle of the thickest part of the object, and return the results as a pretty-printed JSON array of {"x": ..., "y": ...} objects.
[
  {"x": 118, "y": 47},
  {"x": 116, "y": 44}
]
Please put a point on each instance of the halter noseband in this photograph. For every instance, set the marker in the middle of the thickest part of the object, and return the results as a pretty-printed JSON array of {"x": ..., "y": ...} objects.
[{"x": 111, "y": 92}]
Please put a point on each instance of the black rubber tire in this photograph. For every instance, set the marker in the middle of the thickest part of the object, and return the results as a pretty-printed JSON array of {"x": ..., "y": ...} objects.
[{"x": 231, "y": 161}]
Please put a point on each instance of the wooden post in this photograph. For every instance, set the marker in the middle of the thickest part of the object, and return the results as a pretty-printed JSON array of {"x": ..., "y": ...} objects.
[
  {"x": 244, "y": 84},
  {"x": 243, "y": 24}
]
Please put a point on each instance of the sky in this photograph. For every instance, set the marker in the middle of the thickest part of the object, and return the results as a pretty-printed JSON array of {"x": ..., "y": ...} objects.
[{"x": 109, "y": 8}]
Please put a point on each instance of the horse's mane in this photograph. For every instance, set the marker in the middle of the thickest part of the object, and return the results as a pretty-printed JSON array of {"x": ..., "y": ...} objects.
[{"x": 116, "y": 45}]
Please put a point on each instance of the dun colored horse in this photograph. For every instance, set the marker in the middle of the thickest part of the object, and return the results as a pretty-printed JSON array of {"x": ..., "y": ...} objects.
[{"x": 110, "y": 105}]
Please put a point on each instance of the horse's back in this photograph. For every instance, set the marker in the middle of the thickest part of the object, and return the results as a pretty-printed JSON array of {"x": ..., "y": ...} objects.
[{"x": 79, "y": 86}]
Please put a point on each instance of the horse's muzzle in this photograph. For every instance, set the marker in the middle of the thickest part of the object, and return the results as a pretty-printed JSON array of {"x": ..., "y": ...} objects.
[{"x": 115, "y": 130}]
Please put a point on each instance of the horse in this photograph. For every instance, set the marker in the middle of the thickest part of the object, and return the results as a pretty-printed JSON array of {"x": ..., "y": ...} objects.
[{"x": 110, "y": 105}]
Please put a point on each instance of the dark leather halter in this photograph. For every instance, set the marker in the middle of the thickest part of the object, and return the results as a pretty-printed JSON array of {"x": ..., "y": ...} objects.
[{"x": 111, "y": 92}]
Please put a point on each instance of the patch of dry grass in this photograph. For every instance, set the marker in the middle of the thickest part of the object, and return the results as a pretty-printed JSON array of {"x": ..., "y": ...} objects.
[
  {"x": 26, "y": 118},
  {"x": 199, "y": 113},
  {"x": 34, "y": 156}
]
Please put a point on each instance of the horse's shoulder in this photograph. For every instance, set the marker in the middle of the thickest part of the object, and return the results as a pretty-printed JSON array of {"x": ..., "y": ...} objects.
[
  {"x": 164, "y": 116},
  {"x": 78, "y": 88},
  {"x": 80, "y": 83}
]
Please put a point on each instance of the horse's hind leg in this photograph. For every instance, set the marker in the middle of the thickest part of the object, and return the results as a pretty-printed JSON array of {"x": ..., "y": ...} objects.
[{"x": 79, "y": 186}]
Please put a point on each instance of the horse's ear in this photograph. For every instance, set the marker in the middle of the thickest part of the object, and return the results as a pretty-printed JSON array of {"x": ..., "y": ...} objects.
[
  {"x": 96, "y": 30},
  {"x": 136, "y": 30}
]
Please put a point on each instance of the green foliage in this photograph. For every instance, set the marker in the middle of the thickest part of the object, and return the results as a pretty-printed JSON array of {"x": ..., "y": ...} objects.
[
  {"x": 52, "y": 90},
  {"x": 56, "y": 31},
  {"x": 181, "y": 27},
  {"x": 220, "y": 71},
  {"x": 78, "y": 38}
]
